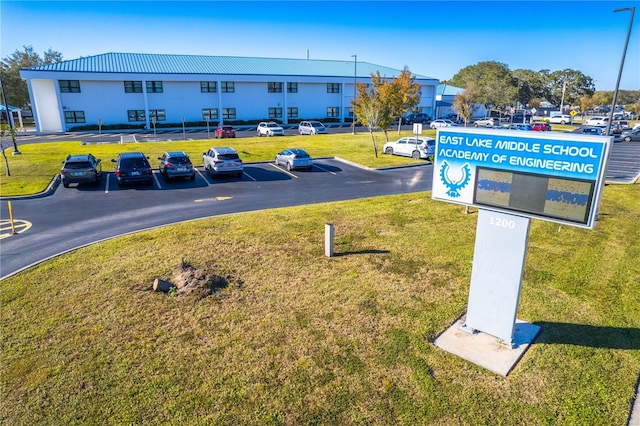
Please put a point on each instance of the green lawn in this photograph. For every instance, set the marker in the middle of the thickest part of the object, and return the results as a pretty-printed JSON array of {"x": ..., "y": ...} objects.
[{"x": 293, "y": 337}]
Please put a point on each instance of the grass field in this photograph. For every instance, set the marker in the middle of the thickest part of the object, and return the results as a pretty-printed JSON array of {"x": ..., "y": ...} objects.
[{"x": 292, "y": 337}]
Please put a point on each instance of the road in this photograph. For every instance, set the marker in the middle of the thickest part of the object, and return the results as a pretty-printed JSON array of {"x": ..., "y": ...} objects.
[{"x": 81, "y": 215}]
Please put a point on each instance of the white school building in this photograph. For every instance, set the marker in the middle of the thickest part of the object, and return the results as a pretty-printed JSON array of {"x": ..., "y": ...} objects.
[{"x": 156, "y": 89}]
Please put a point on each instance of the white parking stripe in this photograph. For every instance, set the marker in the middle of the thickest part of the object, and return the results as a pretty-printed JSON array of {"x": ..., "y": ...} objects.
[
  {"x": 284, "y": 171},
  {"x": 204, "y": 178},
  {"x": 325, "y": 170},
  {"x": 155, "y": 177},
  {"x": 249, "y": 176},
  {"x": 106, "y": 186}
]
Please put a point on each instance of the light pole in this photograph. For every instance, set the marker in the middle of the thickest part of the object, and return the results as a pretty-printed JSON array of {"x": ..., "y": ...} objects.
[
  {"x": 353, "y": 111},
  {"x": 624, "y": 53}
]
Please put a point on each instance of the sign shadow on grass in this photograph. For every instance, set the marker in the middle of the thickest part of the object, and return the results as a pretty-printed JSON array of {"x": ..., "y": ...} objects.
[{"x": 589, "y": 335}]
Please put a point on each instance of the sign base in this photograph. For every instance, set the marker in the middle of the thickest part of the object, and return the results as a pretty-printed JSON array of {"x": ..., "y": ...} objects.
[{"x": 485, "y": 350}]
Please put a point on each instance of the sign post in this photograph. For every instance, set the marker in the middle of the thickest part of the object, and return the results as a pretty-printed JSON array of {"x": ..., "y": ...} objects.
[{"x": 511, "y": 177}]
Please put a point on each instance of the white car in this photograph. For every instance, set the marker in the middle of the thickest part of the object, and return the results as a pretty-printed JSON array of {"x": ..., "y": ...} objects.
[
  {"x": 487, "y": 122},
  {"x": 411, "y": 147},
  {"x": 442, "y": 123},
  {"x": 561, "y": 119},
  {"x": 597, "y": 121},
  {"x": 270, "y": 128},
  {"x": 311, "y": 128}
]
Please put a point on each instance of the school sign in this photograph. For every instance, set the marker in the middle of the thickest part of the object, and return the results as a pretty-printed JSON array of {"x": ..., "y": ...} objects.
[{"x": 545, "y": 175}]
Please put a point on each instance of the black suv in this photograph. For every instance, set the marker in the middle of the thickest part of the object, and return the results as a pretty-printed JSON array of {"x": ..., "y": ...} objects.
[
  {"x": 81, "y": 168},
  {"x": 133, "y": 167},
  {"x": 416, "y": 118}
]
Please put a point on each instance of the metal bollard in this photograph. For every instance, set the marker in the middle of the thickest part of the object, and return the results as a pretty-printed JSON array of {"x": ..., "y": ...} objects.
[{"x": 329, "y": 234}]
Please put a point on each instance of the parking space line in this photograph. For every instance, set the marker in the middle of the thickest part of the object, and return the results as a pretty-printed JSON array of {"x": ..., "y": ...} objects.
[
  {"x": 249, "y": 176},
  {"x": 325, "y": 170},
  {"x": 284, "y": 171},
  {"x": 203, "y": 177},
  {"x": 155, "y": 177},
  {"x": 106, "y": 186},
  {"x": 19, "y": 225}
]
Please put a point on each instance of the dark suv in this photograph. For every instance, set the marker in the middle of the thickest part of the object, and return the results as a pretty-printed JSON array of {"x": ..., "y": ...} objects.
[
  {"x": 416, "y": 118},
  {"x": 133, "y": 167},
  {"x": 81, "y": 168}
]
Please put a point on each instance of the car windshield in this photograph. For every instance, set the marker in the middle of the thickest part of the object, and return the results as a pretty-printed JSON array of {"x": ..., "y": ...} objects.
[
  {"x": 78, "y": 165},
  {"x": 272, "y": 125},
  {"x": 133, "y": 163},
  {"x": 179, "y": 160},
  {"x": 225, "y": 157},
  {"x": 227, "y": 128},
  {"x": 316, "y": 124}
]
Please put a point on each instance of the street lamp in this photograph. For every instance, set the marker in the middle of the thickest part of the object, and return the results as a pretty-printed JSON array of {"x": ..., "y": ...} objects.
[
  {"x": 624, "y": 53},
  {"x": 353, "y": 111}
]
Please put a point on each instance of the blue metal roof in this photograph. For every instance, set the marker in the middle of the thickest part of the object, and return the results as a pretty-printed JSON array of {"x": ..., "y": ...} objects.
[{"x": 145, "y": 63}]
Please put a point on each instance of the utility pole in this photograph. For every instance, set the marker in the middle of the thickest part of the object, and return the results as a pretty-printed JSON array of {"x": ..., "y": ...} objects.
[{"x": 12, "y": 128}]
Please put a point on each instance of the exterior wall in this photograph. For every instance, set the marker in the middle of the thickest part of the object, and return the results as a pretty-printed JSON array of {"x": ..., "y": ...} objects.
[
  {"x": 102, "y": 97},
  {"x": 46, "y": 109}
]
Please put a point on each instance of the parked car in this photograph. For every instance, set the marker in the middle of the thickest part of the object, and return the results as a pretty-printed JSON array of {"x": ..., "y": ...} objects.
[
  {"x": 413, "y": 147},
  {"x": 80, "y": 169},
  {"x": 561, "y": 119},
  {"x": 294, "y": 158},
  {"x": 519, "y": 118},
  {"x": 133, "y": 167},
  {"x": 624, "y": 124},
  {"x": 541, "y": 126},
  {"x": 618, "y": 115},
  {"x": 415, "y": 118},
  {"x": 311, "y": 128},
  {"x": 631, "y": 135},
  {"x": 487, "y": 122},
  {"x": 176, "y": 164},
  {"x": 442, "y": 123},
  {"x": 592, "y": 131},
  {"x": 270, "y": 128},
  {"x": 615, "y": 129},
  {"x": 225, "y": 132},
  {"x": 597, "y": 121},
  {"x": 223, "y": 160},
  {"x": 519, "y": 126}
]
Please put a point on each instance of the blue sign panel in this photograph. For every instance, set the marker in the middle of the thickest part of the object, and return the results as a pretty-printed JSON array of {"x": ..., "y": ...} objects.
[{"x": 547, "y": 175}]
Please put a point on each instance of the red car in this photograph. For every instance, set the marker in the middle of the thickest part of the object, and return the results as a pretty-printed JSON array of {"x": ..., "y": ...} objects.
[
  {"x": 225, "y": 132},
  {"x": 541, "y": 126}
]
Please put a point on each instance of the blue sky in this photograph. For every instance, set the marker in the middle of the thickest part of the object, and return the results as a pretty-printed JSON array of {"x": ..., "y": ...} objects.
[{"x": 432, "y": 38}]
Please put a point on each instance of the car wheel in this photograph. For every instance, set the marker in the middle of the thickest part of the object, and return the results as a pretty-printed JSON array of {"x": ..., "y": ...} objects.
[
  {"x": 389, "y": 150},
  {"x": 415, "y": 155},
  {"x": 563, "y": 122},
  {"x": 65, "y": 183},
  {"x": 289, "y": 166},
  {"x": 475, "y": 124},
  {"x": 627, "y": 139},
  {"x": 239, "y": 174},
  {"x": 210, "y": 172},
  {"x": 193, "y": 177}
]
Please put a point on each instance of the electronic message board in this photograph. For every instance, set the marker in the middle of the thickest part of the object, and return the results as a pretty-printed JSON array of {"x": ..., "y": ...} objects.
[{"x": 545, "y": 175}]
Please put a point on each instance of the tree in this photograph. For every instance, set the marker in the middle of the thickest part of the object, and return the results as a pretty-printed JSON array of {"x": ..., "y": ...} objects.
[
  {"x": 602, "y": 98},
  {"x": 15, "y": 87},
  {"x": 464, "y": 102},
  {"x": 367, "y": 108},
  {"x": 577, "y": 85},
  {"x": 493, "y": 80},
  {"x": 407, "y": 95},
  {"x": 586, "y": 103},
  {"x": 388, "y": 99}
]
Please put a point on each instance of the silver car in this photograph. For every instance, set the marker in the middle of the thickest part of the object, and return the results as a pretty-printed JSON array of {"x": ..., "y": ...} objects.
[
  {"x": 176, "y": 164},
  {"x": 631, "y": 135},
  {"x": 411, "y": 147},
  {"x": 294, "y": 158},
  {"x": 311, "y": 128}
]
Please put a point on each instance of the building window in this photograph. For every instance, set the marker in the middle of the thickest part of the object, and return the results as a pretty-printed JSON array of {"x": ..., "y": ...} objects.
[
  {"x": 228, "y": 87},
  {"x": 136, "y": 115},
  {"x": 333, "y": 87},
  {"x": 350, "y": 112},
  {"x": 208, "y": 86},
  {"x": 70, "y": 86},
  {"x": 154, "y": 87},
  {"x": 210, "y": 113},
  {"x": 158, "y": 114},
  {"x": 275, "y": 112},
  {"x": 275, "y": 87},
  {"x": 292, "y": 112},
  {"x": 74, "y": 117},
  {"x": 333, "y": 112},
  {"x": 132, "y": 87},
  {"x": 229, "y": 113},
  {"x": 292, "y": 87}
]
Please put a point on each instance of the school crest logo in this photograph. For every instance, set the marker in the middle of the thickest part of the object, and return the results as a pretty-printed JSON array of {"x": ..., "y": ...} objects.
[{"x": 455, "y": 185}]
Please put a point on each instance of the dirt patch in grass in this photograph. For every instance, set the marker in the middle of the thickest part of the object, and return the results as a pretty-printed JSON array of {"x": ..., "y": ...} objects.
[{"x": 202, "y": 281}]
